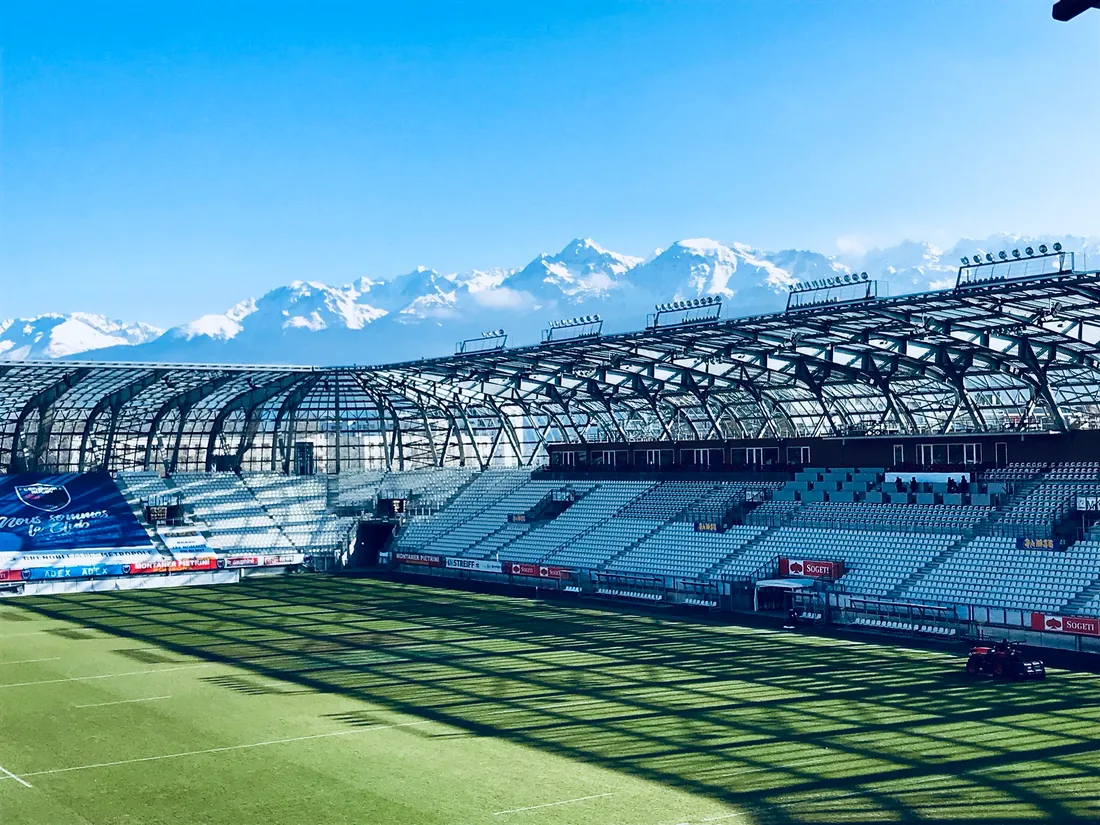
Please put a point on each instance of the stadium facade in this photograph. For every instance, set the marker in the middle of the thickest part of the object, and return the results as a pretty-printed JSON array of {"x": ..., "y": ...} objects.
[{"x": 994, "y": 354}]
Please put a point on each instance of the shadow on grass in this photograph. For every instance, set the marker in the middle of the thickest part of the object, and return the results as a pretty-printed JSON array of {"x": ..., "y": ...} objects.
[{"x": 790, "y": 729}]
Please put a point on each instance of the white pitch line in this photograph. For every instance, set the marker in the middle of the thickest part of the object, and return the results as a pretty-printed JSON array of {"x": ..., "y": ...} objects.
[
  {"x": 183, "y": 754},
  {"x": 29, "y": 661},
  {"x": 123, "y": 702},
  {"x": 547, "y": 805},
  {"x": 106, "y": 676},
  {"x": 18, "y": 779}
]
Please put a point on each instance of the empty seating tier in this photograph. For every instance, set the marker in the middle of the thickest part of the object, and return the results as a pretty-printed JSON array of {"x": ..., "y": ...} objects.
[
  {"x": 678, "y": 550},
  {"x": 992, "y": 571}
]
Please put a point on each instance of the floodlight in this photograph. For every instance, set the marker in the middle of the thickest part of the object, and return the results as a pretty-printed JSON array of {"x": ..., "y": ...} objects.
[
  {"x": 989, "y": 257},
  {"x": 1002, "y": 255},
  {"x": 1015, "y": 253},
  {"x": 1042, "y": 249},
  {"x": 966, "y": 262},
  {"x": 1057, "y": 247},
  {"x": 864, "y": 276},
  {"x": 1029, "y": 251}
]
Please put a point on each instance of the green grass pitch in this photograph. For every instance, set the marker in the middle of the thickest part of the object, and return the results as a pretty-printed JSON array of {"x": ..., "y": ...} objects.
[{"x": 311, "y": 699}]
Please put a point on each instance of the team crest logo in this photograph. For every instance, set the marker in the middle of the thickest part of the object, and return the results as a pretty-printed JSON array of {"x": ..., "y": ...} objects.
[{"x": 46, "y": 497}]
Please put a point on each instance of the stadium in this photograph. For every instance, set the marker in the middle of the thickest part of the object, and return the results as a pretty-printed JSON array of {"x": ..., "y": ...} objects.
[{"x": 711, "y": 570}]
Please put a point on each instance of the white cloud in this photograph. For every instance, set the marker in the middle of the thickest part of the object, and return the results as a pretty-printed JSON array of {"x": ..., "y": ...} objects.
[
  {"x": 504, "y": 298},
  {"x": 854, "y": 243}
]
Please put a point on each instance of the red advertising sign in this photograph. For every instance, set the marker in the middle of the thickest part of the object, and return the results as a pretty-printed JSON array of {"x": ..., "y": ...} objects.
[
  {"x": 174, "y": 566},
  {"x": 11, "y": 575},
  {"x": 1080, "y": 625},
  {"x": 541, "y": 571},
  {"x": 418, "y": 558},
  {"x": 285, "y": 558},
  {"x": 242, "y": 561},
  {"x": 811, "y": 568}
]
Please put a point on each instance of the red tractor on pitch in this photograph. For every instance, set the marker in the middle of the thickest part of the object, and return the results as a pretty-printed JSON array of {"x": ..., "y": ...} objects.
[{"x": 1004, "y": 660}]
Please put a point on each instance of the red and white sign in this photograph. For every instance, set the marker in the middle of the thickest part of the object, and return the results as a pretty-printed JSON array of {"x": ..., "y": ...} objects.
[
  {"x": 811, "y": 568},
  {"x": 419, "y": 559},
  {"x": 1080, "y": 625},
  {"x": 541, "y": 571},
  {"x": 285, "y": 558},
  {"x": 178, "y": 565},
  {"x": 242, "y": 561}
]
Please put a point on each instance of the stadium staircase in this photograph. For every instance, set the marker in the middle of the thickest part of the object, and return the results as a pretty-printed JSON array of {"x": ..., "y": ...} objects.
[
  {"x": 332, "y": 492},
  {"x": 917, "y": 575},
  {"x": 656, "y": 528},
  {"x": 1084, "y": 601},
  {"x": 1020, "y": 491},
  {"x": 752, "y": 544}
]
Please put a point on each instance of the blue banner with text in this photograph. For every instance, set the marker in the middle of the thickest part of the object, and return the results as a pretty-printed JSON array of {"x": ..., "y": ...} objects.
[{"x": 65, "y": 514}]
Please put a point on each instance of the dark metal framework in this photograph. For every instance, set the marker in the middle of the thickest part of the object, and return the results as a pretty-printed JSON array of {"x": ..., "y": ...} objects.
[{"x": 991, "y": 357}]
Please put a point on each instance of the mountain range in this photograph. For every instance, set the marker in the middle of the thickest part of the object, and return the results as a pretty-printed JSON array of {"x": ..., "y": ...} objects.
[{"x": 424, "y": 313}]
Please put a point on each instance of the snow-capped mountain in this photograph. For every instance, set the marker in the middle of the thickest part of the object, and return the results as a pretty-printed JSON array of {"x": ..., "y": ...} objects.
[
  {"x": 57, "y": 336},
  {"x": 581, "y": 272},
  {"x": 749, "y": 280},
  {"x": 424, "y": 312}
]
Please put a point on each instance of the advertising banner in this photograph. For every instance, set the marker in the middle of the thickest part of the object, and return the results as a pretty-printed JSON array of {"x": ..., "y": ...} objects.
[
  {"x": 182, "y": 538},
  {"x": 709, "y": 527},
  {"x": 241, "y": 561},
  {"x": 285, "y": 558},
  {"x": 1081, "y": 625},
  {"x": 517, "y": 518},
  {"x": 420, "y": 559},
  {"x": 86, "y": 571},
  {"x": 177, "y": 565},
  {"x": 1038, "y": 544},
  {"x": 811, "y": 568},
  {"x": 64, "y": 513},
  {"x": 480, "y": 565},
  {"x": 541, "y": 571}
]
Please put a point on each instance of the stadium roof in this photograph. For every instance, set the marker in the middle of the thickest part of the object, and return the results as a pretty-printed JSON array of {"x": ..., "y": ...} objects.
[{"x": 993, "y": 356}]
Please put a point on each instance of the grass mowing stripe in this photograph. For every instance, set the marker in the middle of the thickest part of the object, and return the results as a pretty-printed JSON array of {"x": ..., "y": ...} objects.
[
  {"x": 552, "y": 804},
  {"x": 123, "y": 702},
  {"x": 106, "y": 676},
  {"x": 18, "y": 779},
  {"x": 221, "y": 749},
  {"x": 31, "y": 661}
]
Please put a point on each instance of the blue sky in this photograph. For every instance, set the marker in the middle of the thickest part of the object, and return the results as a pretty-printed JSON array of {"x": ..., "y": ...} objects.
[{"x": 159, "y": 162}]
